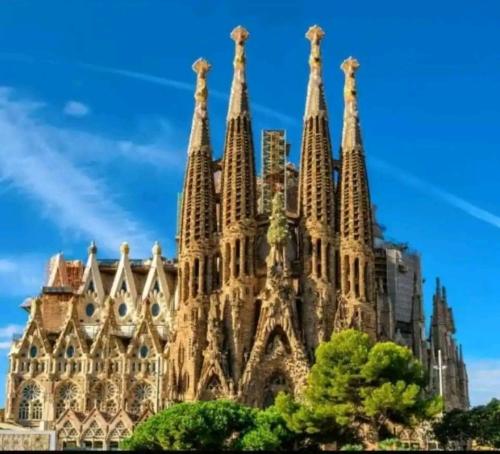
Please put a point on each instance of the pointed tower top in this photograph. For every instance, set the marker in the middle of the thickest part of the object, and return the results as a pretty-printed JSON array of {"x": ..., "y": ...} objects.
[
  {"x": 350, "y": 66},
  {"x": 156, "y": 248},
  {"x": 92, "y": 248},
  {"x": 315, "y": 34},
  {"x": 199, "y": 129},
  {"x": 438, "y": 287},
  {"x": 315, "y": 102},
  {"x": 124, "y": 248},
  {"x": 239, "y": 35},
  {"x": 201, "y": 68}
]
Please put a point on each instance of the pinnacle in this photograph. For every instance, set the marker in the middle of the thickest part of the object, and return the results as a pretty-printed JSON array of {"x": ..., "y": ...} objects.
[
  {"x": 201, "y": 67},
  {"x": 350, "y": 65},
  {"x": 315, "y": 34},
  {"x": 125, "y": 248},
  {"x": 239, "y": 35}
]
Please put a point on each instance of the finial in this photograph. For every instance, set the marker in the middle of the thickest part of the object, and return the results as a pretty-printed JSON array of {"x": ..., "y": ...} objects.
[
  {"x": 92, "y": 248},
  {"x": 124, "y": 248},
  {"x": 349, "y": 66},
  {"x": 201, "y": 68},
  {"x": 239, "y": 35},
  {"x": 315, "y": 34},
  {"x": 156, "y": 248}
]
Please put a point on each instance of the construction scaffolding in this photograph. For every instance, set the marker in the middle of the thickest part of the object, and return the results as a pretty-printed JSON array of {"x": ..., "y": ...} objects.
[{"x": 275, "y": 151}]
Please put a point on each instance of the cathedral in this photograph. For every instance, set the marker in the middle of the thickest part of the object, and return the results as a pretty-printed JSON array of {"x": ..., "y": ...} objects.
[{"x": 267, "y": 267}]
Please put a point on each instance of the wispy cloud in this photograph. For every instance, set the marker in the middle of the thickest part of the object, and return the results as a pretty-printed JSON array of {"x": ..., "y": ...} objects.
[
  {"x": 76, "y": 109},
  {"x": 21, "y": 275},
  {"x": 10, "y": 330},
  {"x": 6, "y": 333},
  {"x": 36, "y": 159},
  {"x": 484, "y": 380},
  {"x": 435, "y": 191},
  {"x": 180, "y": 85}
]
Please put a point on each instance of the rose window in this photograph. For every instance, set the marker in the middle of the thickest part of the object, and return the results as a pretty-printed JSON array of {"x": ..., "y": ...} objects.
[
  {"x": 31, "y": 392},
  {"x": 68, "y": 391},
  {"x": 143, "y": 391}
]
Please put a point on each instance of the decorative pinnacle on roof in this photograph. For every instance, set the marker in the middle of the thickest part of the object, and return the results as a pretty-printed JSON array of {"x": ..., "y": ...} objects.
[
  {"x": 238, "y": 101},
  {"x": 124, "y": 248},
  {"x": 350, "y": 66},
  {"x": 239, "y": 35},
  {"x": 201, "y": 68},
  {"x": 315, "y": 102},
  {"x": 92, "y": 248},
  {"x": 199, "y": 128},
  {"x": 315, "y": 34},
  {"x": 156, "y": 248}
]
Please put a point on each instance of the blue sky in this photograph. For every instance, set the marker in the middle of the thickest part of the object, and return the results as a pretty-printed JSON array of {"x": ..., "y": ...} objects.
[{"x": 96, "y": 105}]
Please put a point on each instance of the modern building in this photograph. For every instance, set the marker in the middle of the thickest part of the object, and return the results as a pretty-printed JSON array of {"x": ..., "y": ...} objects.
[{"x": 252, "y": 292}]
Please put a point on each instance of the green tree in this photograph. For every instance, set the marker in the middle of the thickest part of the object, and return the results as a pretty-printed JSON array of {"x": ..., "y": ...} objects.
[
  {"x": 193, "y": 426},
  {"x": 270, "y": 433},
  {"x": 358, "y": 390},
  {"x": 212, "y": 425},
  {"x": 481, "y": 423}
]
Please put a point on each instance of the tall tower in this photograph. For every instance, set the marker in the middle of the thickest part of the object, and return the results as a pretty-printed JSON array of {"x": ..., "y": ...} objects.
[
  {"x": 238, "y": 218},
  {"x": 196, "y": 250},
  {"x": 357, "y": 298},
  {"x": 316, "y": 206}
]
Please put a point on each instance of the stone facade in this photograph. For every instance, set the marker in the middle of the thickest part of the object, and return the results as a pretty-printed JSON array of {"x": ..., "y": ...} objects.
[{"x": 240, "y": 311}]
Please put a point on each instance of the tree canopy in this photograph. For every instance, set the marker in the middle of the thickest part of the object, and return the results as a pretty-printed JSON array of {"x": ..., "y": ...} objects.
[
  {"x": 359, "y": 391},
  {"x": 481, "y": 423},
  {"x": 211, "y": 425}
]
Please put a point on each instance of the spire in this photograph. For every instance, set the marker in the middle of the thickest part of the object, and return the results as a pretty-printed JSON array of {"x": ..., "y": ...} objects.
[
  {"x": 356, "y": 212},
  {"x": 352, "y": 133},
  {"x": 198, "y": 222},
  {"x": 356, "y": 216},
  {"x": 238, "y": 103},
  {"x": 316, "y": 197},
  {"x": 238, "y": 187},
  {"x": 199, "y": 129},
  {"x": 315, "y": 103}
]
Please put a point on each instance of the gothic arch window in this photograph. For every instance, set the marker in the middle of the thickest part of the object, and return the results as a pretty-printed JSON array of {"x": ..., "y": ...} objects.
[
  {"x": 367, "y": 281},
  {"x": 237, "y": 258},
  {"x": 186, "y": 282},
  {"x": 277, "y": 339},
  {"x": 347, "y": 273},
  {"x": 196, "y": 277},
  {"x": 30, "y": 405},
  {"x": 213, "y": 389},
  {"x": 276, "y": 383},
  {"x": 356, "y": 276}
]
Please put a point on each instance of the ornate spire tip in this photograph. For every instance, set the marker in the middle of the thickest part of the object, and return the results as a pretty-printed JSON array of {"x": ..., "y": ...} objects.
[
  {"x": 239, "y": 34},
  {"x": 92, "y": 248},
  {"x": 201, "y": 66},
  {"x": 349, "y": 65},
  {"x": 124, "y": 248},
  {"x": 156, "y": 248},
  {"x": 315, "y": 34}
]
